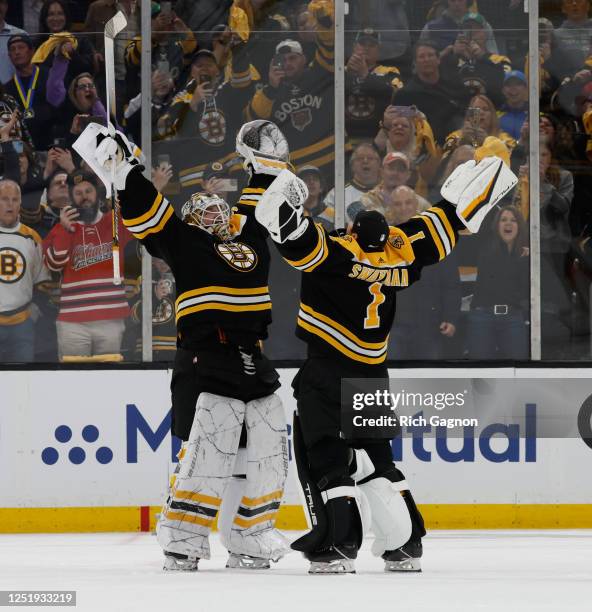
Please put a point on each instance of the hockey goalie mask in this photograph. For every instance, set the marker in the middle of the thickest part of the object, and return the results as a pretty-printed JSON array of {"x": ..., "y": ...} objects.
[
  {"x": 208, "y": 212},
  {"x": 263, "y": 147}
]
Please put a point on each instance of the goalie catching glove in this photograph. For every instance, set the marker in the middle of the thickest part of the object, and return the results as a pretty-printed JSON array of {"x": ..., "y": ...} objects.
[
  {"x": 263, "y": 147},
  {"x": 280, "y": 210},
  {"x": 98, "y": 147},
  {"x": 475, "y": 188}
]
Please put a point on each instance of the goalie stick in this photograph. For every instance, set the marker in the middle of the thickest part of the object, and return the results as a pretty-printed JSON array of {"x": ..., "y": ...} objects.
[{"x": 112, "y": 28}]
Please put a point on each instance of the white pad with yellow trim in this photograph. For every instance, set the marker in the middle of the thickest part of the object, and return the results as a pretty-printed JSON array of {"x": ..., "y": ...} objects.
[
  {"x": 391, "y": 522},
  {"x": 253, "y": 530},
  {"x": 476, "y": 188},
  {"x": 204, "y": 471},
  {"x": 99, "y": 156},
  {"x": 280, "y": 209}
]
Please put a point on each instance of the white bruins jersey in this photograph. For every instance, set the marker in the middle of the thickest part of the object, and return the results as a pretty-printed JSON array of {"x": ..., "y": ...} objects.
[{"x": 21, "y": 267}]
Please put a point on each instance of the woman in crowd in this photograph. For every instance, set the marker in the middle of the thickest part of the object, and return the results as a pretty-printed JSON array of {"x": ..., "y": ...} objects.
[
  {"x": 481, "y": 121},
  {"x": 314, "y": 206},
  {"x": 56, "y": 41},
  {"x": 406, "y": 130},
  {"x": 76, "y": 105},
  {"x": 498, "y": 321}
]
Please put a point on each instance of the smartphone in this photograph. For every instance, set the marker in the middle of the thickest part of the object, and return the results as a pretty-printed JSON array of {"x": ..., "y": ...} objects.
[
  {"x": 58, "y": 143},
  {"x": 204, "y": 78},
  {"x": 405, "y": 111},
  {"x": 473, "y": 117},
  {"x": 278, "y": 62},
  {"x": 227, "y": 185},
  {"x": 17, "y": 146},
  {"x": 163, "y": 158}
]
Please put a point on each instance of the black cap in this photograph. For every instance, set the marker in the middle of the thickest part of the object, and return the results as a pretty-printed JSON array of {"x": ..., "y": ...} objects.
[
  {"x": 24, "y": 38},
  {"x": 372, "y": 230},
  {"x": 368, "y": 35},
  {"x": 79, "y": 176},
  {"x": 215, "y": 169},
  {"x": 203, "y": 53}
]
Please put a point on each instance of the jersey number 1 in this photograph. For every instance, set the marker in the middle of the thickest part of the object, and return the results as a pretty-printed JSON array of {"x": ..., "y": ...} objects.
[{"x": 372, "y": 319}]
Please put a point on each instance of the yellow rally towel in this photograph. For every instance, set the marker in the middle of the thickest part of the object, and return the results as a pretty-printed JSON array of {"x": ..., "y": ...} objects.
[
  {"x": 239, "y": 21},
  {"x": 49, "y": 46}
]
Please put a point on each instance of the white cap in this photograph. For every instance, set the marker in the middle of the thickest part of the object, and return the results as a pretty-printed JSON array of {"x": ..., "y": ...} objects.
[{"x": 289, "y": 46}]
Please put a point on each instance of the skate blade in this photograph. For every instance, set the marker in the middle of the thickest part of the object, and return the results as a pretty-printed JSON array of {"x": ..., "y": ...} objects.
[
  {"x": 406, "y": 565},
  {"x": 171, "y": 564},
  {"x": 338, "y": 566},
  {"x": 236, "y": 561}
]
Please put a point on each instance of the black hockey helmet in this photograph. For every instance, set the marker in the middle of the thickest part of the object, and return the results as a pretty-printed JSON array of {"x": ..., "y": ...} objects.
[{"x": 371, "y": 229}]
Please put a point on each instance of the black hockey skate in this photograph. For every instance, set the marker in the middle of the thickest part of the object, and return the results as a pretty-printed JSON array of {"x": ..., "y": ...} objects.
[
  {"x": 404, "y": 559},
  {"x": 333, "y": 560},
  {"x": 177, "y": 562}
]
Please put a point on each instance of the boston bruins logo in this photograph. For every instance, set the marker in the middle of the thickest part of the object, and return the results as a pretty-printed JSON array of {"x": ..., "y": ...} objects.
[
  {"x": 397, "y": 242},
  {"x": 237, "y": 255},
  {"x": 212, "y": 127},
  {"x": 12, "y": 265}
]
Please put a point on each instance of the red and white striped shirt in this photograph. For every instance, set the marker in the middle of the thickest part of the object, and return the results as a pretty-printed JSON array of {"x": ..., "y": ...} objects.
[{"x": 84, "y": 257}]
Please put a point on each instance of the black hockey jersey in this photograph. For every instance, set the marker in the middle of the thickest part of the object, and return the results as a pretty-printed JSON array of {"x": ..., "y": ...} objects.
[
  {"x": 348, "y": 297},
  {"x": 221, "y": 287}
]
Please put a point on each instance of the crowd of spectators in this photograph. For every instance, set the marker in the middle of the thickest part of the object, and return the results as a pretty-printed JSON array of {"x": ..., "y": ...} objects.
[{"x": 429, "y": 85}]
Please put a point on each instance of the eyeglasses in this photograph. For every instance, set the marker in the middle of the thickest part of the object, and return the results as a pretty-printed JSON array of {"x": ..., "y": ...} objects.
[{"x": 89, "y": 86}]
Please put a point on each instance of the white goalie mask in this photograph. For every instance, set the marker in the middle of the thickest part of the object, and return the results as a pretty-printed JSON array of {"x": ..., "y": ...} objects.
[
  {"x": 263, "y": 147},
  {"x": 208, "y": 212}
]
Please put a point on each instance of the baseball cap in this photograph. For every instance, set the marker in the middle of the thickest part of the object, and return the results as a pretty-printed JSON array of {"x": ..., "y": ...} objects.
[
  {"x": 474, "y": 17},
  {"x": 394, "y": 156},
  {"x": 154, "y": 9},
  {"x": 289, "y": 46},
  {"x": 372, "y": 230},
  {"x": 515, "y": 74},
  {"x": 308, "y": 170},
  {"x": 368, "y": 35},
  {"x": 24, "y": 38},
  {"x": 215, "y": 169},
  {"x": 81, "y": 177},
  {"x": 203, "y": 53}
]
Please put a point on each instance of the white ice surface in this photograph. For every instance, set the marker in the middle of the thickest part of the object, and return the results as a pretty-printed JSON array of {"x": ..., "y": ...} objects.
[{"x": 463, "y": 571}]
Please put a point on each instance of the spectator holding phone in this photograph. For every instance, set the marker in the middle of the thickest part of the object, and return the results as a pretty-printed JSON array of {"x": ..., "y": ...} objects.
[
  {"x": 441, "y": 99},
  {"x": 369, "y": 86},
  {"x": 92, "y": 308},
  {"x": 21, "y": 268},
  {"x": 28, "y": 85},
  {"x": 56, "y": 43},
  {"x": 75, "y": 106},
  {"x": 481, "y": 121}
]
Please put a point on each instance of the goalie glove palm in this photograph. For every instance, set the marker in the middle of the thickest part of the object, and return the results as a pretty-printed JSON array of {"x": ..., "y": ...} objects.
[
  {"x": 280, "y": 209},
  {"x": 475, "y": 188},
  {"x": 98, "y": 147}
]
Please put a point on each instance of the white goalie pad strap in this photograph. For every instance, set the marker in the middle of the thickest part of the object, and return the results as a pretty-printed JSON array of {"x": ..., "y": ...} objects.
[
  {"x": 338, "y": 492},
  {"x": 204, "y": 472},
  {"x": 476, "y": 188},
  {"x": 364, "y": 465},
  {"x": 280, "y": 209},
  {"x": 99, "y": 157},
  {"x": 232, "y": 497},
  {"x": 391, "y": 522},
  {"x": 401, "y": 485},
  {"x": 272, "y": 151}
]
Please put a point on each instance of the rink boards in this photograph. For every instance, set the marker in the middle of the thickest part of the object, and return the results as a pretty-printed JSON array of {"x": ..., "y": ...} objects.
[{"x": 91, "y": 451}]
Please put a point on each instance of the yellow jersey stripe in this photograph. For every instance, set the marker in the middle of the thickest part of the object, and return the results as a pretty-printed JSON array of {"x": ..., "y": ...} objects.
[
  {"x": 147, "y": 215},
  {"x": 329, "y": 141},
  {"x": 221, "y": 306},
  {"x": 446, "y": 223},
  {"x": 218, "y": 289},
  {"x": 308, "y": 258},
  {"x": 154, "y": 230},
  {"x": 342, "y": 349},
  {"x": 346, "y": 332},
  {"x": 434, "y": 234}
]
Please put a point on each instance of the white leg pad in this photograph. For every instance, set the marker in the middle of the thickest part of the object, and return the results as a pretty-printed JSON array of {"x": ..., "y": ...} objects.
[
  {"x": 205, "y": 469},
  {"x": 253, "y": 530},
  {"x": 391, "y": 522}
]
